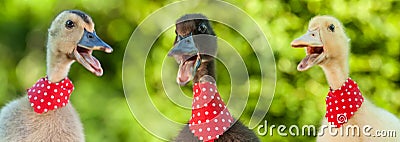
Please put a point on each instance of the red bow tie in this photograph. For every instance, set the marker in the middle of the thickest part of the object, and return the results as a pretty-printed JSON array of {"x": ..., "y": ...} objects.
[
  {"x": 45, "y": 95},
  {"x": 341, "y": 104},
  {"x": 210, "y": 117}
]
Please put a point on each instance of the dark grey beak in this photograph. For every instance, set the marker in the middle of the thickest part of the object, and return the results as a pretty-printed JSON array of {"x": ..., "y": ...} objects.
[
  {"x": 91, "y": 41},
  {"x": 184, "y": 46}
]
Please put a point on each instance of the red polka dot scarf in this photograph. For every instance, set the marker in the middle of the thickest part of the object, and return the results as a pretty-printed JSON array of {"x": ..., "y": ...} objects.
[
  {"x": 210, "y": 117},
  {"x": 341, "y": 104},
  {"x": 45, "y": 95}
]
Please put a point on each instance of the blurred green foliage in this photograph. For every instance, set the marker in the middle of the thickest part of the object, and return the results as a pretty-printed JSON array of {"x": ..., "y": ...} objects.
[{"x": 373, "y": 27}]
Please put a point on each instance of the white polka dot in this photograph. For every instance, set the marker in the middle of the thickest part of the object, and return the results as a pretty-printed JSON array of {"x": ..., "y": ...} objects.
[
  {"x": 330, "y": 103},
  {"x": 200, "y": 130},
  {"x": 56, "y": 83},
  {"x": 355, "y": 93},
  {"x": 63, "y": 104},
  {"x": 197, "y": 90},
  {"x": 341, "y": 94},
  {"x": 45, "y": 110},
  {"x": 42, "y": 85},
  {"x": 32, "y": 104},
  {"x": 350, "y": 86},
  {"x": 193, "y": 131},
  {"x": 198, "y": 106},
  {"x": 215, "y": 112},
  {"x": 209, "y": 137},
  {"x": 351, "y": 112},
  {"x": 33, "y": 90},
  {"x": 58, "y": 100},
  {"x": 38, "y": 91},
  {"x": 48, "y": 103},
  {"x": 206, "y": 113},
  {"x": 344, "y": 107},
  {"x": 220, "y": 105},
  {"x": 61, "y": 94},
  {"x": 198, "y": 122},
  {"x": 212, "y": 97},
  {"x": 227, "y": 113},
  {"x": 55, "y": 90},
  {"x": 48, "y": 87},
  {"x": 38, "y": 107},
  {"x": 213, "y": 104},
  {"x": 335, "y": 101},
  {"x": 229, "y": 120},
  {"x": 41, "y": 100},
  {"x": 208, "y": 129},
  {"x": 197, "y": 98},
  {"x": 337, "y": 108},
  {"x": 221, "y": 112},
  {"x": 217, "y": 136},
  {"x": 218, "y": 98},
  {"x": 45, "y": 93},
  {"x": 200, "y": 138},
  {"x": 351, "y": 106},
  {"x": 223, "y": 120},
  {"x": 349, "y": 99},
  {"x": 30, "y": 96},
  {"x": 62, "y": 87},
  {"x": 29, "y": 90},
  {"x": 66, "y": 84},
  {"x": 69, "y": 91},
  {"x": 361, "y": 100},
  {"x": 216, "y": 128},
  {"x": 203, "y": 89},
  {"x": 205, "y": 105},
  {"x": 330, "y": 110},
  {"x": 211, "y": 89},
  {"x": 331, "y": 116},
  {"x": 224, "y": 128},
  {"x": 55, "y": 107},
  {"x": 198, "y": 114},
  {"x": 35, "y": 98},
  {"x": 342, "y": 100},
  {"x": 348, "y": 93},
  {"x": 357, "y": 106},
  {"x": 356, "y": 99},
  {"x": 207, "y": 121},
  {"x": 204, "y": 97},
  {"x": 215, "y": 120},
  {"x": 52, "y": 97}
]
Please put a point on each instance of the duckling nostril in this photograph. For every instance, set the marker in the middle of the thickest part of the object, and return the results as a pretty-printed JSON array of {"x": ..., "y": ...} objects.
[
  {"x": 90, "y": 36},
  {"x": 313, "y": 35}
]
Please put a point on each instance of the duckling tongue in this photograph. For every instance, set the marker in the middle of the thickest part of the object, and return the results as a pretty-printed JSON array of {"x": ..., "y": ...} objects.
[
  {"x": 307, "y": 62},
  {"x": 89, "y": 62},
  {"x": 185, "y": 73}
]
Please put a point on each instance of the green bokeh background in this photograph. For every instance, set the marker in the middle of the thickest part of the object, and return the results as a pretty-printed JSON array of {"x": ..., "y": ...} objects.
[{"x": 373, "y": 26}]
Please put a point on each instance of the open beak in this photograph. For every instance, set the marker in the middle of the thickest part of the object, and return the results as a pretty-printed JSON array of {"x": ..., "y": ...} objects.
[
  {"x": 188, "y": 58},
  {"x": 83, "y": 52},
  {"x": 311, "y": 41}
]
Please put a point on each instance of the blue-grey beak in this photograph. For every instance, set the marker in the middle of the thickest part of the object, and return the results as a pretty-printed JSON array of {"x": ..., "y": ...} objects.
[
  {"x": 188, "y": 58},
  {"x": 91, "y": 41}
]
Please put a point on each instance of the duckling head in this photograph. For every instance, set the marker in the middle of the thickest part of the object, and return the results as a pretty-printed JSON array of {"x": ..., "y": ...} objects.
[
  {"x": 325, "y": 43},
  {"x": 195, "y": 43},
  {"x": 72, "y": 37}
]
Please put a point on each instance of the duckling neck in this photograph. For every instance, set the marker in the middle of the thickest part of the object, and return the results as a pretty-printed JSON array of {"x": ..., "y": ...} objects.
[
  {"x": 336, "y": 73},
  {"x": 206, "y": 68},
  {"x": 58, "y": 65}
]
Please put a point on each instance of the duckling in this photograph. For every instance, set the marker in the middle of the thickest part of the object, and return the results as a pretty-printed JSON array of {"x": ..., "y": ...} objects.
[
  {"x": 45, "y": 114},
  {"x": 328, "y": 46},
  {"x": 194, "y": 49}
]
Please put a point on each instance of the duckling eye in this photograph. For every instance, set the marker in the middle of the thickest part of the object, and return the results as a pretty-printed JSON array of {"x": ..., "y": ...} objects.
[
  {"x": 202, "y": 28},
  {"x": 69, "y": 24},
  {"x": 331, "y": 28}
]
